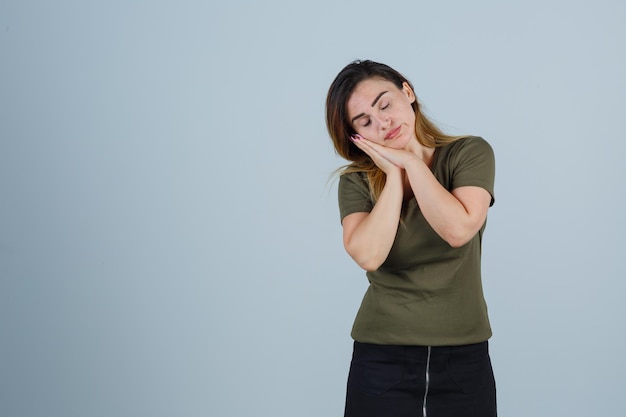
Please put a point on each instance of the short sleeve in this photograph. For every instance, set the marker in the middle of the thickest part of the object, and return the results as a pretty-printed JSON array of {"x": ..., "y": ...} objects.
[
  {"x": 474, "y": 165},
  {"x": 353, "y": 193}
]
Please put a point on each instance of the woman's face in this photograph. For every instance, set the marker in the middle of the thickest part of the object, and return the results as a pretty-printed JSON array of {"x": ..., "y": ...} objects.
[{"x": 382, "y": 113}]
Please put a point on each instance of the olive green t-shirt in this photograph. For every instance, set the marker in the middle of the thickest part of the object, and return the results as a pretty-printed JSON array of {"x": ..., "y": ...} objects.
[{"x": 426, "y": 292}]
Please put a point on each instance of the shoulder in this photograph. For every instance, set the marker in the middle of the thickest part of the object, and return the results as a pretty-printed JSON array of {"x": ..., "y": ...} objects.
[
  {"x": 469, "y": 161},
  {"x": 466, "y": 149},
  {"x": 469, "y": 144},
  {"x": 354, "y": 194},
  {"x": 353, "y": 178}
]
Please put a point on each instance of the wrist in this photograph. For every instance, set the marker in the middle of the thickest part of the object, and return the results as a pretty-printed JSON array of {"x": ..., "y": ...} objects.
[
  {"x": 417, "y": 163},
  {"x": 395, "y": 175}
]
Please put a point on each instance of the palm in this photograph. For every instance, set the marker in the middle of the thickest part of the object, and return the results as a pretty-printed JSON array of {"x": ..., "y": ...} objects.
[{"x": 379, "y": 156}]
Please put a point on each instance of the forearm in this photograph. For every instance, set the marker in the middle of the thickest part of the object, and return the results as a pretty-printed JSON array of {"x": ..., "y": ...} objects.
[
  {"x": 447, "y": 215},
  {"x": 370, "y": 241}
]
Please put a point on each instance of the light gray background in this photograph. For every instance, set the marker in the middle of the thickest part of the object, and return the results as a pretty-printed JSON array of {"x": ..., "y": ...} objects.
[{"x": 169, "y": 238}]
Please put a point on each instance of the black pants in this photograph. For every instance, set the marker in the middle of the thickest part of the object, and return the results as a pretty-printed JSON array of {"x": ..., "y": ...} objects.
[{"x": 416, "y": 381}]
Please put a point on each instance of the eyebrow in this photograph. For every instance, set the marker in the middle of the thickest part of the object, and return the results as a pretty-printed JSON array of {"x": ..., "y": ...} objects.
[{"x": 373, "y": 104}]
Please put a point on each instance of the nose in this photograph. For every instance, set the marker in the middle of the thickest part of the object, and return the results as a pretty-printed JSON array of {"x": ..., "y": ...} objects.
[{"x": 385, "y": 123}]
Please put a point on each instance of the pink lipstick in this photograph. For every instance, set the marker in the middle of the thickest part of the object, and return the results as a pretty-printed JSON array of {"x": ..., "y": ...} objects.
[{"x": 393, "y": 133}]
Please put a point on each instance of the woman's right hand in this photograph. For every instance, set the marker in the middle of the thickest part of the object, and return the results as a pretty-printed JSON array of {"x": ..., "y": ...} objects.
[
  {"x": 388, "y": 167},
  {"x": 368, "y": 237}
]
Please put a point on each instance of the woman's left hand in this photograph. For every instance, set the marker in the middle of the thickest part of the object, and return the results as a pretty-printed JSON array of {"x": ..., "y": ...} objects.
[{"x": 399, "y": 157}]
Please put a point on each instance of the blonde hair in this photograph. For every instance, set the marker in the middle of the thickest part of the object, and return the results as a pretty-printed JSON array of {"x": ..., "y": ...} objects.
[{"x": 340, "y": 129}]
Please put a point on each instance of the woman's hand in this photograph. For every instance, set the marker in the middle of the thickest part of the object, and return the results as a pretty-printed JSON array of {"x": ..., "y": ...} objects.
[
  {"x": 385, "y": 158},
  {"x": 386, "y": 165},
  {"x": 369, "y": 236}
]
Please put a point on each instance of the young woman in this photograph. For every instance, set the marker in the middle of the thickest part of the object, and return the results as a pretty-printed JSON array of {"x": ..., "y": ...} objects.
[{"x": 413, "y": 206}]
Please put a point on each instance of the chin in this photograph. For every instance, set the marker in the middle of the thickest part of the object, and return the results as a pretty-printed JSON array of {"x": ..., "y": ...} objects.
[{"x": 399, "y": 143}]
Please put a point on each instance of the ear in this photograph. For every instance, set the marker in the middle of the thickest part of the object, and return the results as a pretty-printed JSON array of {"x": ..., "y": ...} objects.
[{"x": 408, "y": 91}]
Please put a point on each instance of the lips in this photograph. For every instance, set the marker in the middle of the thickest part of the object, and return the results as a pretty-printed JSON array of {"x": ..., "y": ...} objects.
[{"x": 393, "y": 133}]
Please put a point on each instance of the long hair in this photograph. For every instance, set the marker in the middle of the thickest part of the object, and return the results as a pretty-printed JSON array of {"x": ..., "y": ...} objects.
[{"x": 340, "y": 129}]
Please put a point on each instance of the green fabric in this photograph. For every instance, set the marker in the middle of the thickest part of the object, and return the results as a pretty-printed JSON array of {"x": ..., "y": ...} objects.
[{"x": 426, "y": 292}]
